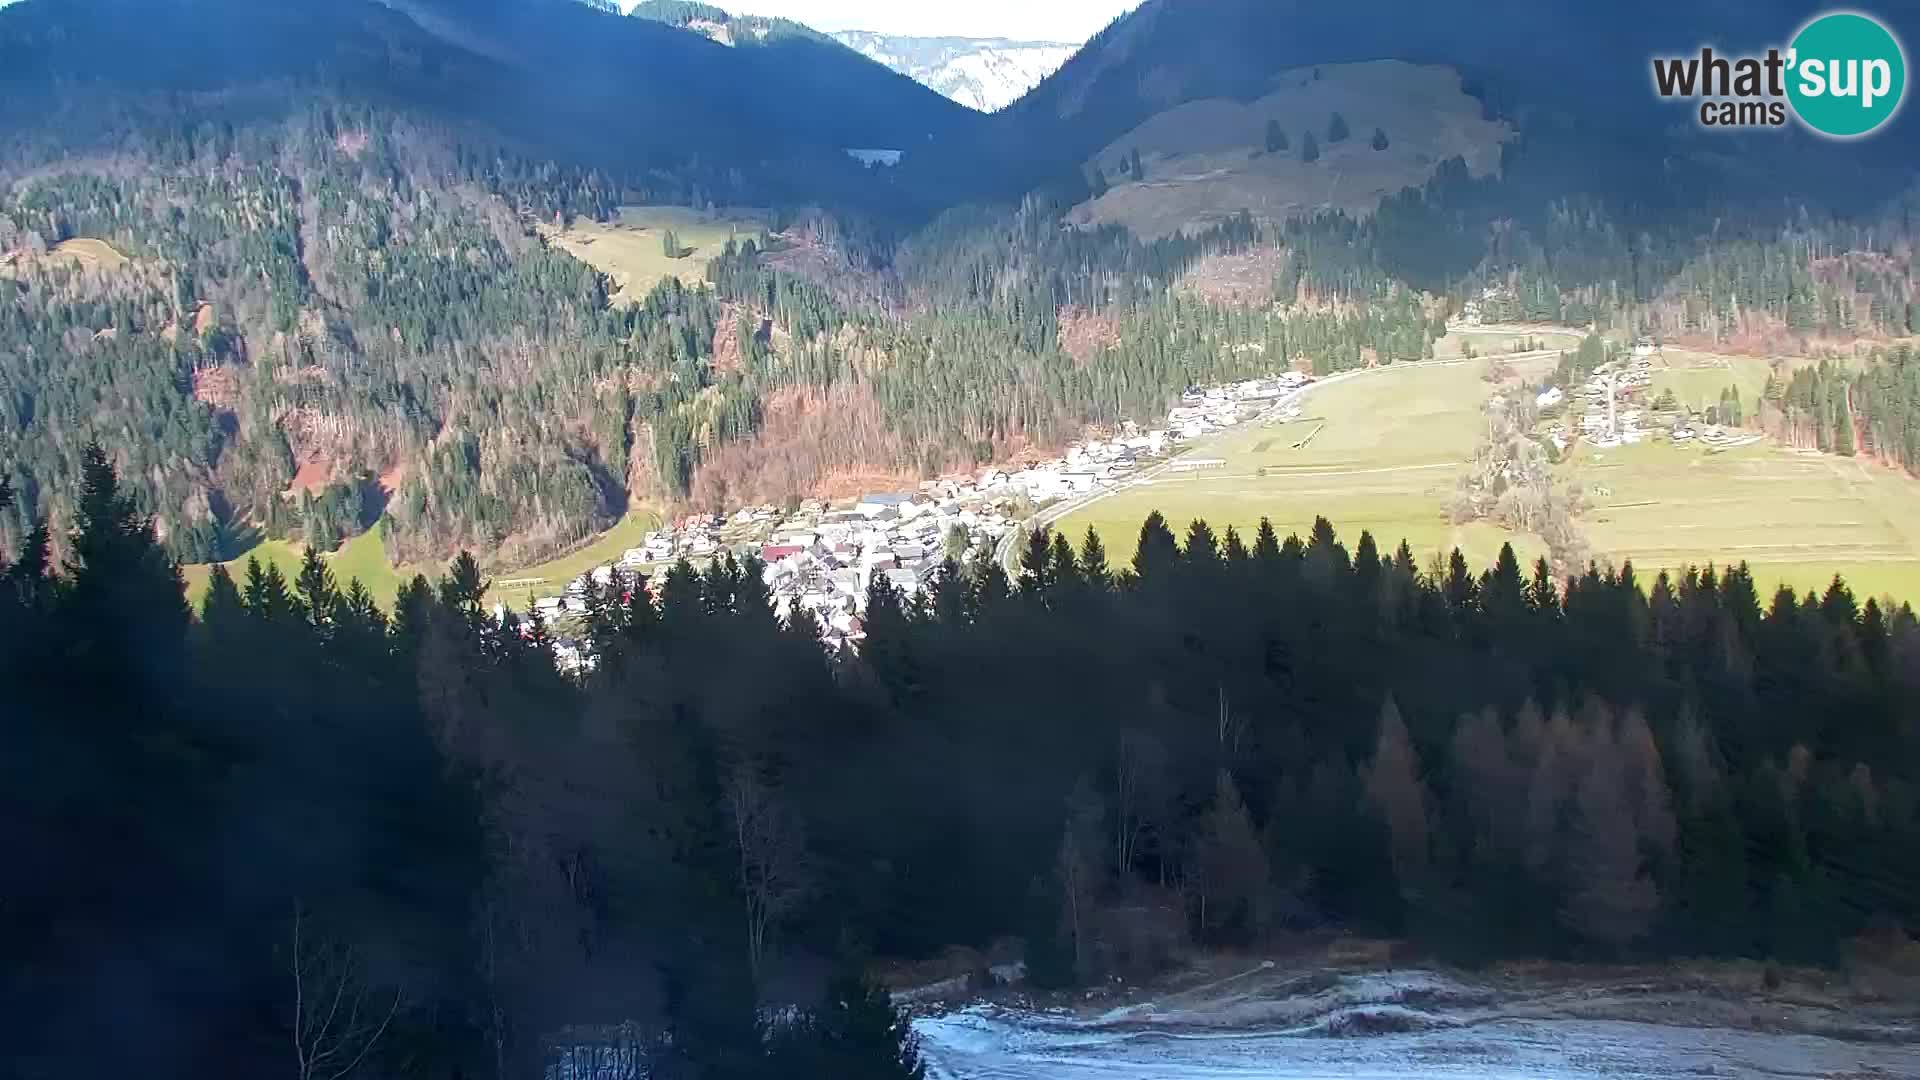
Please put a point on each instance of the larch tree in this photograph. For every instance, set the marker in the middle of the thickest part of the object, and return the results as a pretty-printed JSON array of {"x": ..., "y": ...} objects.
[
  {"x": 1396, "y": 793},
  {"x": 1610, "y": 899},
  {"x": 1233, "y": 877}
]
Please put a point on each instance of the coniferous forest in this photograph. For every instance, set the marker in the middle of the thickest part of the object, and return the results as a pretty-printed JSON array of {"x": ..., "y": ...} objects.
[{"x": 221, "y": 821}]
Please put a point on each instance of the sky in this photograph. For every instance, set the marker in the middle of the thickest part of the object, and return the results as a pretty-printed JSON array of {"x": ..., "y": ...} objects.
[{"x": 1071, "y": 21}]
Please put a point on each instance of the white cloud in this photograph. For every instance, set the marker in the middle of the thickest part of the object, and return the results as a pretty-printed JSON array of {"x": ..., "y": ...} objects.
[{"x": 1047, "y": 20}]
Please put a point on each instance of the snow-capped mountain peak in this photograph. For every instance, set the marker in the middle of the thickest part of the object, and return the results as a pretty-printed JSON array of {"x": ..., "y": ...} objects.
[{"x": 982, "y": 73}]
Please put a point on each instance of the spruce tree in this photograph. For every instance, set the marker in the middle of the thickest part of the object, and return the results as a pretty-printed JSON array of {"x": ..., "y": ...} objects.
[
  {"x": 1276, "y": 137},
  {"x": 1093, "y": 563},
  {"x": 1266, "y": 544},
  {"x": 1157, "y": 551},
  {"x": 1099, "y": 184},
  {"x": 1379, "y": 139},
  {"x": 1036, "y": 563},
  {"x": 1133, "y": 159},
  {"x": 316, "y": 592},
  {"x": 1337, "y": 129},
  {"x": 1233, "y": 549},
  {"x": 1309, "y": 148},
  {"x": 1063, "y": 571}
]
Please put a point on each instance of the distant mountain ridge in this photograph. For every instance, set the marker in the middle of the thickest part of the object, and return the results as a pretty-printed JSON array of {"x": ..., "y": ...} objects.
[{"x": 987, "y": 74}]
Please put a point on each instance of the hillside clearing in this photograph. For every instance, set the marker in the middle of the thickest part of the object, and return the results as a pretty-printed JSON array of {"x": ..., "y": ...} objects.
[
  {"x": 1207, "y": 159},
  {"x": 631, "y": 248},
  {"x": 83, "y": 252},
  {"x": 363, "y": 558}
]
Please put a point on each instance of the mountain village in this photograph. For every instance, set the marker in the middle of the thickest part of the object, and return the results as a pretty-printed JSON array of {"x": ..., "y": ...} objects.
[{"x": 822, "y": 558}]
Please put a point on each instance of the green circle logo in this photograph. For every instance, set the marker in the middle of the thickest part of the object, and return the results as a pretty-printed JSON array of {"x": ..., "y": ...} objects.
[{"x": 1847, "y": 75}]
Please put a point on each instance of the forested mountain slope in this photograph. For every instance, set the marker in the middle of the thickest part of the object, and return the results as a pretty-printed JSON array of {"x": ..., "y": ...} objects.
[
  {"x": 564, "y": 79},
  {"x": 283, "y": 257}
]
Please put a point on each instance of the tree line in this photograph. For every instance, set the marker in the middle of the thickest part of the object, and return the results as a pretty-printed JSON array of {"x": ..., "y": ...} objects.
[{"x": 222, "y": 819}]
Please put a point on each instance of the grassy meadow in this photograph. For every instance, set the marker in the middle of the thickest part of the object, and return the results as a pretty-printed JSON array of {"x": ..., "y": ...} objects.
[
  {"x": 364, "y": 558},
  {"x": 1697, "y": 378},
  {"x": 1382, "y": 452},
  {"x": 519, "y": 588},
  {"x": 630, "y": 249},
  {"x": 1387, "y": 446},
  {"x": 1797, "y": 518}
]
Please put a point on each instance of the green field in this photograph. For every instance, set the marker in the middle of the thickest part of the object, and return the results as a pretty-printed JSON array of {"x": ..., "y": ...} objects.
[
  {"x": 1389, "y": 445},
  {"x": 1487, "y": 342},
  {"x": 629, "y": 249},
  {"x": 1798, "y": 519},
  {"x": 519, "y": 588},
  {"x": 1697, "y": 378},
  {"x": 364, "y": 558}
]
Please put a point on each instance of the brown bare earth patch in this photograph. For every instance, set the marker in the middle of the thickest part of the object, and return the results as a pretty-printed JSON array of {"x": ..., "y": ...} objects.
[
  {"x": 1206, "y": 159},
  {"x": 321, "y": 444},
  {"x": 811, "y": 443},
  {"x": 203, "y": 318},
  {"x": 311, "y": 477},
  {"x": 218, "y": 387},
  {"x": 392, "y": 477},
  {"x": 1242, "y": 278},
  {"x": 729, "y": 353},
  {"x": 1084, "y": 333},
  {"x": 351, "y": 143}
]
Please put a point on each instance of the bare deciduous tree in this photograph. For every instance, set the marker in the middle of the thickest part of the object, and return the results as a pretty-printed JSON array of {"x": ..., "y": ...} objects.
[
  {"x": 338, "y": 1018},
  {"x": 1139, "y": 784},
  {"x": 1078, "y": 870},
  {"x": 771, "y": 849}
]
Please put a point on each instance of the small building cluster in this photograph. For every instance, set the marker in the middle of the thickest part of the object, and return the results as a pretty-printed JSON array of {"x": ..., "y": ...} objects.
[{"x": 1603, "y": 406}]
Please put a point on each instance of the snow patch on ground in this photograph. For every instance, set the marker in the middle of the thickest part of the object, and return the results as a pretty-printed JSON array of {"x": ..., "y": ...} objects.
[{"x": 1300, "y": 1025}]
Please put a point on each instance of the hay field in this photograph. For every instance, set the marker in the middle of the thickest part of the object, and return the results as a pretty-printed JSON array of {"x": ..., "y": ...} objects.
[
  {"x": 630, "y": 249},
  {"x": 1797, "y": 518},
  {"x": 1386, "y": 447}
]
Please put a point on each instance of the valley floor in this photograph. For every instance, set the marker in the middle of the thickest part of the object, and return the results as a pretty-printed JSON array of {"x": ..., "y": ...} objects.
[
  {"x": 1382, "y": 450},
  {"x": 1295, "y": 1023}
]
